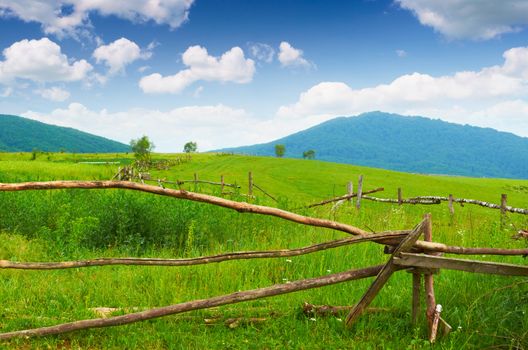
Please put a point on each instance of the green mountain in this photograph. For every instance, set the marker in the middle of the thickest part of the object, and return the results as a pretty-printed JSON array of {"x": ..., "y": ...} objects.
[
  {"x": 410, "y": 144},
  {"x": 19, "y": 134}
]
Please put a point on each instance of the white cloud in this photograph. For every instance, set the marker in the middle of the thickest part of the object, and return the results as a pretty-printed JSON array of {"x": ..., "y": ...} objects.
[
  {"x": 54, "y": 94},
  {"x": 68, "y": 17},
  {"x": 481, "y": 98},
  {"x": 232, "y": 66},
  {"x": 460, "y": 19},
  {"x": 262, "y": 52},
  {"x": 290, "y": 56},
  {"x": 401, "y": 53},
  {"x": 142, "y": 69},
  {"x": 118, "y": 54},
  {"x": 40, "y": 61},
  {"x": 211, "y": 126}
]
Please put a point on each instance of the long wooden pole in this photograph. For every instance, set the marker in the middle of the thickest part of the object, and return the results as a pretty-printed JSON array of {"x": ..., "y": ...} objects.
[
  {"x": 200, "y": 304},
  {"x": 282, "y": 253},
  {"x": 477, "y": 202},
  {"x": 241, "y": 207}
]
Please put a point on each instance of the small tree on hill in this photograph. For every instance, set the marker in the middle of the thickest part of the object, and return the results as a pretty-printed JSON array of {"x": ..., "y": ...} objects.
[
  {"x": 310, "y": 154},
  {"x": 280, "y": 150},
  {"x": 142, "y": 149},
  {"x": 190, "y": 147}
]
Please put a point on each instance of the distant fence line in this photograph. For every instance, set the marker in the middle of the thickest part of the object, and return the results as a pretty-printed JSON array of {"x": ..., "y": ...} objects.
[{"x": 129, "y": 173}]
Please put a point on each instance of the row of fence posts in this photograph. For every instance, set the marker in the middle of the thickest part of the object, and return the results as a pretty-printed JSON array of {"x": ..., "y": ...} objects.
[
  {"x": 451, "y": 201},
  {"x": 350, "y": 192}
]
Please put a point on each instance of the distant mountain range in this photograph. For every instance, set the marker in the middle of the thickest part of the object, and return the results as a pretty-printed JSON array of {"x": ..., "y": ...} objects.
[
  {"x": 410, "y": 144},
  {"x": 19, "y": 134}
]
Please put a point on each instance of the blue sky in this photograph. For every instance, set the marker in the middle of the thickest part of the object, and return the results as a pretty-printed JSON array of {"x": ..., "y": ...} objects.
[{"x": 228, "y": 73}]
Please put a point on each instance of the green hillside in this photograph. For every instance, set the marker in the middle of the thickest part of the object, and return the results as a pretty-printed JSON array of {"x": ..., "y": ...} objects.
[
  {"x": 19, "y": 134},
  {"x": 485, "y": 311},
  {"x": 411, "y": 144}
]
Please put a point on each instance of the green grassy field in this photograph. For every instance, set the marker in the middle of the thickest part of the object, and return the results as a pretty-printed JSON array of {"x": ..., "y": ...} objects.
[{"x": 485, "y": 311}]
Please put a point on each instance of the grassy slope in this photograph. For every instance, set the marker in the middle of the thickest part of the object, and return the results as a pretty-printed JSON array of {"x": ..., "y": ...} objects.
[{"x": 136, "y": 222}]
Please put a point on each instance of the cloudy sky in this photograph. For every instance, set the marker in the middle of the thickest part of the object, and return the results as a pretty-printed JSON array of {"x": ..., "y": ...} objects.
[{"x": 236, "y": 72}]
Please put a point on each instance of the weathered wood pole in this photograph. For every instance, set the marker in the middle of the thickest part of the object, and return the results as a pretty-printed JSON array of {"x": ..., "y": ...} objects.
[
  {"x": 400, "y": 199},
  {"x": 417, "y": 282},
  {"x": 350, "y": 190},
  {"x": 222, "y": 184},
  {"x": 428, "y": 278},
  {"x": 232, "y": 298},
  {"x": 504, "y": 202},
  {"x": 450, "y": 204},
  {"x": 250, "y": 184},
  {"x": 359, "y": 192}
]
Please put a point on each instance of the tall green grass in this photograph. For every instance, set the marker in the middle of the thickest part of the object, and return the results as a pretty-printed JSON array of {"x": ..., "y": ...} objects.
[{"x": 486, "y": 311}]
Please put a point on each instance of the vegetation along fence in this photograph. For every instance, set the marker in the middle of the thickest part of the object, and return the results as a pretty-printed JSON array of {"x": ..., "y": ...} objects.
[{"x": 423, "y": 258}]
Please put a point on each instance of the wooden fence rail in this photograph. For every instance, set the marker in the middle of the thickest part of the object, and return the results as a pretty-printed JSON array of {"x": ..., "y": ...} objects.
[{"x": 404, "y": 247}]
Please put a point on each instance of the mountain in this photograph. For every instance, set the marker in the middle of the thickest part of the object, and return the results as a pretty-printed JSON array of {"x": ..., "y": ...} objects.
[
  {"x": 410, "y": 144},
  {"x": 19, "y": 134}
]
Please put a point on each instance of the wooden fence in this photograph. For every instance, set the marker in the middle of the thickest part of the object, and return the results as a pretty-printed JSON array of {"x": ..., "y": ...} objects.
[
  {"x": 426, "y": 200},
  {"x": 420, "y": 257}
]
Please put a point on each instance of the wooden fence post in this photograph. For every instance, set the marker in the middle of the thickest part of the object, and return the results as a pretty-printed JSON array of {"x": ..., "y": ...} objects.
[
  {"x": 350, "y": 190},
  {"x": 429, "y": 281},
  {"x": 359, "y": 191},
  {"x": 504, "y": 202},
  {"x": 250, "y": 184},
  {"x": 222, "y": 184},
  {"x": 195, "y": 179},
  {"x": 400, "y": 199},
  {"x": 450, "y": 204}
]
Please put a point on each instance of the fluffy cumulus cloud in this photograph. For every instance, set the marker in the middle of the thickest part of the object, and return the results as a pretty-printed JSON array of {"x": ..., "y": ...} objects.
[
  {"x": 54, "y": 94},
  {"x": 460, "y": 19},
  {"x": 118, "y": 54},
  {"x": 290, "y": 56},
  {"x": 232, "y": 66},
  {"x": 40, "y": 61},
  {"x": 68, "y": 17},
  {"x": 481, "y": 97}
]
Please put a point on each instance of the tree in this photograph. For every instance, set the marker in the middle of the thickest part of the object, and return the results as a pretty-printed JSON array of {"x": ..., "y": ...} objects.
[
  {"x": 310, "y": 154},
  {"x": 190, "y": 147},
  {"x": 280, "y": 150},
  {"x": 142, "y": 148}
]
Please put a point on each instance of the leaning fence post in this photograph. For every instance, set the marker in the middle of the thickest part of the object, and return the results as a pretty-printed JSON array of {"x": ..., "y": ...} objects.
[
  {"x": 359, "y": 191},
  {"x": 350, "y": 190},
  {"x": 400, "y": 200}
]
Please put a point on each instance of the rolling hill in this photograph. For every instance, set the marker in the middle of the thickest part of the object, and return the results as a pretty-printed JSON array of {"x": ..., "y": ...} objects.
[
  {"x": 19, "y": 134},
  {"x": 410, "y": 144}
]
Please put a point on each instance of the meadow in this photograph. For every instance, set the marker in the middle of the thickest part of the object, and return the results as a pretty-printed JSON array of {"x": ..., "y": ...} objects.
[{"x": 485, "y": 311}]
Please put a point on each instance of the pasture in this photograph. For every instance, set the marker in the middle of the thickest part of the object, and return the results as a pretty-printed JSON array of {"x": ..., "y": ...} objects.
[{"x": 485, "y": 311}]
